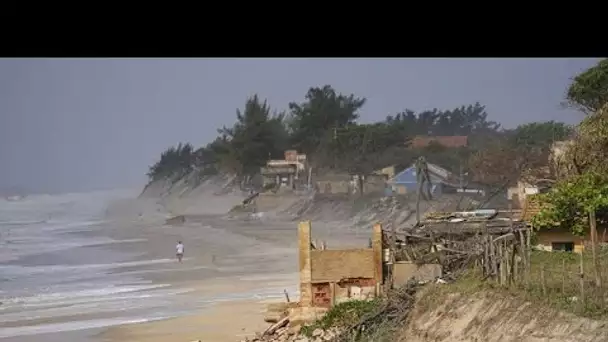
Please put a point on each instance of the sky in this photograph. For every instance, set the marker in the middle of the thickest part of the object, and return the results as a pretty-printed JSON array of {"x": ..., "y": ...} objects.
[{"x": 69, "y": 125}]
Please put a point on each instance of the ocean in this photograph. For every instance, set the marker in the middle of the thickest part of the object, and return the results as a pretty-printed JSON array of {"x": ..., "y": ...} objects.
[{"x": 61, "y": 277}]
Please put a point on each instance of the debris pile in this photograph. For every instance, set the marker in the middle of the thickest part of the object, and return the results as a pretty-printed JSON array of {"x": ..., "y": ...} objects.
[
  {"x": 392, "y": 313},
  {"x": 292, "y": 334}
]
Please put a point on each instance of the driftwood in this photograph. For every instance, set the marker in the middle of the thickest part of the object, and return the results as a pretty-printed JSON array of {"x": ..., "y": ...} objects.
[{"x": 271, "y": 330}]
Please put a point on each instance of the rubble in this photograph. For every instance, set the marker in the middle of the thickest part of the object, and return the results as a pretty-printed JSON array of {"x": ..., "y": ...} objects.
[
  {"x": 287, "y": 321},
  {"x": 292, "y": 334}
]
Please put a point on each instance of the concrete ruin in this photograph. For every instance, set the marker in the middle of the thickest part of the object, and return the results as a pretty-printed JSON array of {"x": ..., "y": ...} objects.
[
  {"x": 333, "y": 276},
  {"x": 289, "y": 172},
  {"x": 329, "y": 277}
]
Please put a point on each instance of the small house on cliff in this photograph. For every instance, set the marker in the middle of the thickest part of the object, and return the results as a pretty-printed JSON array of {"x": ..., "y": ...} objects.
[
  {"x": 558, "y": 238},
  {"x": 442, "y": 180}
]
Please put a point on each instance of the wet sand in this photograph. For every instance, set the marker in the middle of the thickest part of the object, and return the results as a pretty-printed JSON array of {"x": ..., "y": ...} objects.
[{"x": 225, "y": 322}]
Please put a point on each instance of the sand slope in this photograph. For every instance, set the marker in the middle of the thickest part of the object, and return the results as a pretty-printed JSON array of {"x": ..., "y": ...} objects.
[{"x": 497, "y": 317}]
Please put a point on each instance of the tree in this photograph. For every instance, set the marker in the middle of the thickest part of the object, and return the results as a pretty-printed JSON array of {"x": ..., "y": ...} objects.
[
  {"x": 581, "y": 199},
  {"x": 463, "y": 120},
  {"x": 256, "y": 136},
  {"x": 577, "y": 204},
  {"x": 498, "y": 164},
  {"x": 590, "y": 148},
  {"x": 589, "y": 90},
  {"x": 569, "y": 203},
  {"x": 524, "y": 151},
  {"x": 324, "y": 111},
  {"x": 175, "y": 162},
  {"x": 540, "y": 134},
  {"x": 363, "y": 149}
]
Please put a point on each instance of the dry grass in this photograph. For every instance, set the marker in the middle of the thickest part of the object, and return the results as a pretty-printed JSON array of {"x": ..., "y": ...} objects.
[{"x": 554, "y": 279}]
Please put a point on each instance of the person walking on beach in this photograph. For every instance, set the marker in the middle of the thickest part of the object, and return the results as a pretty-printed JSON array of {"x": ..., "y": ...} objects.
[{"x": 180, "y": 251}]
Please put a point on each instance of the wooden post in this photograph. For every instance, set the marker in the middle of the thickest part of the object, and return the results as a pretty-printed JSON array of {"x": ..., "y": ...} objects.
[
  {"x": 582, "y": 279},
  {"x": 516, "y": 272},
  {"x": 504, "y": 266},
  {"x": 522, "y": 251},
  {"x": 486, "y": 257},
  {"x": 501, "y": 268},
  {"x": 528, "y": 252},
  {"x": 393, "y": 240},
  {"x": 513, "y": 264},
  {"x": 492, "y": 257},
  {"x": 542, "y": 279},
  {"x": 563, "y": 277},
  {"x": 594, "y": 246},
  {"x": 418, "y": 200}
]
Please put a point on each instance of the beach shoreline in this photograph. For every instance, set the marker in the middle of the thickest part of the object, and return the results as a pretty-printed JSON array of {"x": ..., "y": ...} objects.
[
  {"x": 229, "y": 321},
  {"x": 231, "y": 268}
]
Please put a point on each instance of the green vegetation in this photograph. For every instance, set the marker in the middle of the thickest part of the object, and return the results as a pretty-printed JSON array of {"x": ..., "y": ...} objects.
[
  {"x": 175, "y": 162},
  {"x": 325, "y": 126},
  {"x": 571, "y": 201},
  {"x": 589, "y": 90},
  {"x": 579, "y": 199},
  {"x": 343, "y": 315}
]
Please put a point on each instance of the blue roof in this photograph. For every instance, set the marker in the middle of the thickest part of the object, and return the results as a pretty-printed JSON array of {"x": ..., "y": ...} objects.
[{"x": 409, "y": 176}]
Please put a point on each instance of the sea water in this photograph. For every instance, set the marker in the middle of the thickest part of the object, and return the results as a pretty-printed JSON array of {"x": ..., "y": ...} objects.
[
  {"x": 58, "y": 276},
  {"x": 53, "y": 280}
]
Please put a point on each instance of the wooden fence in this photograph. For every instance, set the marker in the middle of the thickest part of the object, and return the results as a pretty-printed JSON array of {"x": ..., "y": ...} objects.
[{"x": 503, "y": 254}]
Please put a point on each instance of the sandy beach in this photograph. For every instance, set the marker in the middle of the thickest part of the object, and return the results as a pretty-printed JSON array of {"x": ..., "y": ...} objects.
[
  {"x": 233, "y": 268},
  {"x": 224, "y": 322}
]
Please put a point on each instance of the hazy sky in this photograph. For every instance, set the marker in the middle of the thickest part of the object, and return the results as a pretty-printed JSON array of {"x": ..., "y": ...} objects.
[{"x": 79, "y": 124}]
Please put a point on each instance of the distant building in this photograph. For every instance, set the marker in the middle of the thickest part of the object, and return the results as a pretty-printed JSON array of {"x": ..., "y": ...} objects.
[
  {"x": 557, "y": 238},
  {"x": 442, "y": 180},
  {"x": 388, "y": 171},
  {"x": 525, "y": 196},
  {"x": 449, "y": 141},
  {"x": 285, "y": 172}
]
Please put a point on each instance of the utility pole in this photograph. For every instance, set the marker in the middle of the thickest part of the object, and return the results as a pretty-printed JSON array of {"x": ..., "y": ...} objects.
[
  {"x": 461, "y": 177},
  {"x": 335, "y": 145}
]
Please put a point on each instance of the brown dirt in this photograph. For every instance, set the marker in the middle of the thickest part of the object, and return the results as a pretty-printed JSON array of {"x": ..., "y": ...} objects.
[{"x": 495, "y": 317}]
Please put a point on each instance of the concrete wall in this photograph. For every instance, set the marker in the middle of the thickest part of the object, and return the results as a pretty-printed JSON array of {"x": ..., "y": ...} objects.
[
  {"x": 346, "y": 184},
  {"x": 374, "y": 184},
  {"x": 334, "y": 265},
  {"x": 333, "y": 186},
  {"x": 403, "y": 271},
  {"x": 546, "y": 237},
  {"x": 328, "y": 277}
]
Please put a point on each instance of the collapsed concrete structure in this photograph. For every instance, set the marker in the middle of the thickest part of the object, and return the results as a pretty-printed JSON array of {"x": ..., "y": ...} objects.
[
  {"x": 332, "y": 276},
  {"x": 329, "y": 276}
]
